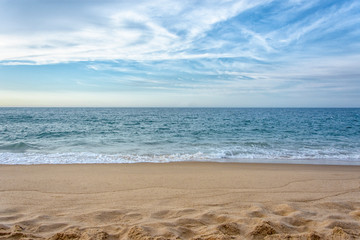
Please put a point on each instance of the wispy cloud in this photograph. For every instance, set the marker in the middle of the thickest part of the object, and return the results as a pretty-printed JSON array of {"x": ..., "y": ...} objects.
[
  {"x": 270, "y": 49},
  {"x": 148, "y": 31}
]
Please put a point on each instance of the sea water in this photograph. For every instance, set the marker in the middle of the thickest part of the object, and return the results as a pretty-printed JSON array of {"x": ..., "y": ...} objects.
[{"x": 131, "y": 135}]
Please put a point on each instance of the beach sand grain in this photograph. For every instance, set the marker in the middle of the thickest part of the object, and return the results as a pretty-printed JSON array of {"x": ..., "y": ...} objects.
[{"x": 187, "y": 200}]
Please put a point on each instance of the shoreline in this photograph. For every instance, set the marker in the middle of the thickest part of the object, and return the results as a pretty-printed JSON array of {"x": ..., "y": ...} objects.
[
  {"x": 301, "y": 162},
  {"x": 180, "y": 200}
]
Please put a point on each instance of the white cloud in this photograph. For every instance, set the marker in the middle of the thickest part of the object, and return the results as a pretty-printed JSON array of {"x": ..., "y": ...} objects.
[
  {"x": 151, "y": 30},
  {"x": 317, "y": 24}
]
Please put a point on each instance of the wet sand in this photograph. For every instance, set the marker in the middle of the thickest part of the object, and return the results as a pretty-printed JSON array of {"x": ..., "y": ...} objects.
[{"x": 179, "y": 201}]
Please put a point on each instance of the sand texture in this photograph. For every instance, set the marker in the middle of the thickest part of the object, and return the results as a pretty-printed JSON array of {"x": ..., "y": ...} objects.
[{"x": 179, "y": 201}]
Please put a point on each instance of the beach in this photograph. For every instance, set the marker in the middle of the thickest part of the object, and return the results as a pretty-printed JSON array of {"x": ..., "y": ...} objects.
[
  {"x": 185, "y": 200},
  {"x": 179, "y": 120}
]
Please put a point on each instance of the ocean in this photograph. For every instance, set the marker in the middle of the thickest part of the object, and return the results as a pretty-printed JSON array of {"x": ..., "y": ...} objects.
[{"x": 131, "y": 135}]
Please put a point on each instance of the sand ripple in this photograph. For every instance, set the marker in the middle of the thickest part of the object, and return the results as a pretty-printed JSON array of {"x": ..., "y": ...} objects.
[{"x": 282, "y": 221}]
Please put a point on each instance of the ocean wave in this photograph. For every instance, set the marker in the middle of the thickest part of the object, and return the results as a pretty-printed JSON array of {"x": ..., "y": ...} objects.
[
  {"x": 18, "y": 147},
  {"x": 224, "y": 156}
]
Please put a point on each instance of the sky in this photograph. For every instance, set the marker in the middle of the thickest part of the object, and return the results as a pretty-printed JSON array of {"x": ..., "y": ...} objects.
[{"x": 162, "y": 53}]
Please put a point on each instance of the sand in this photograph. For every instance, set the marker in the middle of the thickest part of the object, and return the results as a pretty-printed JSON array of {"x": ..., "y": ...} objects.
[{"x": 179, "y": 201}]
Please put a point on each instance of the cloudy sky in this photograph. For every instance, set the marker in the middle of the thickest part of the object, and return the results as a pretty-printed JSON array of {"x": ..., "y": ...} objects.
[{"x": 245, "y": 53}]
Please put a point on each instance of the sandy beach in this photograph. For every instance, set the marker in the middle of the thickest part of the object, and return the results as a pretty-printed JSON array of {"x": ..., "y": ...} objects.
[{"x": 179, "y": 201}]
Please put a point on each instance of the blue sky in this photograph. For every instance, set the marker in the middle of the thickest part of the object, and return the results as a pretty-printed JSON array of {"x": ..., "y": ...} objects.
[{"x": 255, "y": 53}]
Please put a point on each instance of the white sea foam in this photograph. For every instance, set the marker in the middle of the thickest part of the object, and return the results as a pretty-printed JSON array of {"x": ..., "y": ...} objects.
[{"x": 88, "y": 158}]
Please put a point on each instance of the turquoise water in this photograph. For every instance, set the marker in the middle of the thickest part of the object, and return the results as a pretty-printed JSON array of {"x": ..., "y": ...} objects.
[{"x": 128, "y": 135}]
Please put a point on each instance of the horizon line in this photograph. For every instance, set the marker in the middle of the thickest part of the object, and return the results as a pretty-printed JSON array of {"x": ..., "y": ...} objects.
[{"x": 171, "y": 107}]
